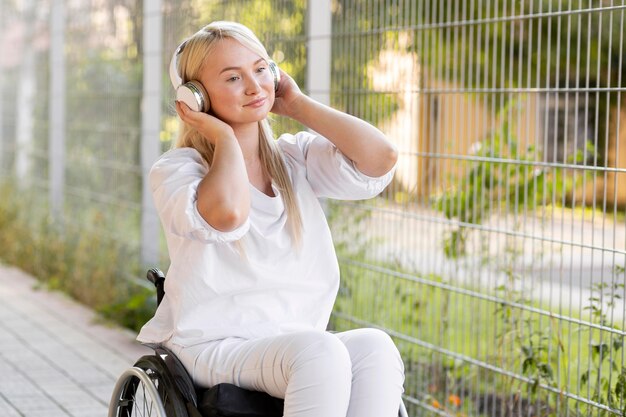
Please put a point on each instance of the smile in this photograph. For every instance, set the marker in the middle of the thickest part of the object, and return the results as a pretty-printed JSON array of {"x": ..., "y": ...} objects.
[{"x": 256, "y": 103}]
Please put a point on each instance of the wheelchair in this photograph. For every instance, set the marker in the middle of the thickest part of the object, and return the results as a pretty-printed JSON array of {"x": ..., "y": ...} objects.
[{"x": 159, "y": 386}]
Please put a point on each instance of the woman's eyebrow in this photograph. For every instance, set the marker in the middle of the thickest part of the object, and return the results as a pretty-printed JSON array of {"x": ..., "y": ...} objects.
[{"x": 237, "y": 68}]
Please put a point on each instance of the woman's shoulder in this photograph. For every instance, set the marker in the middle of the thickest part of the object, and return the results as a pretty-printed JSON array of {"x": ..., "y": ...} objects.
[
  {"x": 176, "y": 154},
  {"x": 295, "y": 145},
  {"x": 178, "y": 161},
  {"x": 177, "y": 157},
  {"x": 300, "y": 136}
]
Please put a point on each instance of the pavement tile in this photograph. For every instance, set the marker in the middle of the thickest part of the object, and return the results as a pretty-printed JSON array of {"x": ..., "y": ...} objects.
[{"x": 57, "y": 358}]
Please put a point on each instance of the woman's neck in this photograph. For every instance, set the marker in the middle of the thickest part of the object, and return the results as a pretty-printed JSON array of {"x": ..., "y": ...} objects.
[{"x": 248, "y": 137}]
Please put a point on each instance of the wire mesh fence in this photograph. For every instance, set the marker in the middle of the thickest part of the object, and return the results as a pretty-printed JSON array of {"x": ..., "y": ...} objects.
[{"x": 496, "y": 259}]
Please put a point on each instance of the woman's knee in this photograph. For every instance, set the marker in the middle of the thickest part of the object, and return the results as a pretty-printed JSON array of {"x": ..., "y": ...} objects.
[
  {"x": 374, "y": 347},
  {"x": 320, "y": 375},
  {"x": 323, "y": 354}
]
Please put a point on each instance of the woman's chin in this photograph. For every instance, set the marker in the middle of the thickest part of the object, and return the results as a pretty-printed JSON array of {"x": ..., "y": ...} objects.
[
  {"x": 247, "y": 120},
  {"x": 258, "y": 115}
]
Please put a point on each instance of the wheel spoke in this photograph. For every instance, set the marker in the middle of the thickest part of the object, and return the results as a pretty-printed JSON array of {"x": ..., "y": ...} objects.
[{"x": 142, "y": 392}]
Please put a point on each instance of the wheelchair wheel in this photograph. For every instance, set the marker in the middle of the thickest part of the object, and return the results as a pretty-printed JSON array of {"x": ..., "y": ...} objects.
[
  {"x": 146, "y": 391},
  {"x": 135, "y": 394}
]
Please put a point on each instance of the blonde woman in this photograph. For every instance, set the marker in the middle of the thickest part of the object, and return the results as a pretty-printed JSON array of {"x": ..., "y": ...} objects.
[{"x": 254, "y": 275}]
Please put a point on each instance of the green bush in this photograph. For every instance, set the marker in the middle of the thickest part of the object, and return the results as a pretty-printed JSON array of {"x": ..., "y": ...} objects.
[{"x": 92, "y": 268}]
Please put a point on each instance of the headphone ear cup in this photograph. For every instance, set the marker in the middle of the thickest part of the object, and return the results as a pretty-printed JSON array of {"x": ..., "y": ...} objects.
[
  {"x": 276, "y": 73},
  {"x": 194, "y": 95}
]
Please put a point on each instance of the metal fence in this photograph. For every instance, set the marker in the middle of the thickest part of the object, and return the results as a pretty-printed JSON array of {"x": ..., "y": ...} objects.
[{"x": 496, "y": 258}]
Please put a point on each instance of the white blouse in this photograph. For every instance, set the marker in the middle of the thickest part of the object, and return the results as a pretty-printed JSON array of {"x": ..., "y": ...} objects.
[{"x": 212, "y": 291}]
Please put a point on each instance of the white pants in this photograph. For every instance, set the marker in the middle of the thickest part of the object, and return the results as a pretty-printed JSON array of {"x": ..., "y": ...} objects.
[{"x": 358, "y": 373}]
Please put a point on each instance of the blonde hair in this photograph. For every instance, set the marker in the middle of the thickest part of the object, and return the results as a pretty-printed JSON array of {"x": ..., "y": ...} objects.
[{"x": 190, "y": 63}]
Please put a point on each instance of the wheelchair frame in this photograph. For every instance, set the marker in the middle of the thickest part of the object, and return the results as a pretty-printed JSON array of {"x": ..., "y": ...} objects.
[{"x": 158, "y": 385}]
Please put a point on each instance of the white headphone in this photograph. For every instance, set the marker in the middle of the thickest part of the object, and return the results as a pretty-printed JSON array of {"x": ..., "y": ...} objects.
[{"x": 192, "y": 93}]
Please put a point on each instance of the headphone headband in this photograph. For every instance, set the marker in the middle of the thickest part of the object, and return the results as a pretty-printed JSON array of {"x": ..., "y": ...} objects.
[{"x": 175, "y": 77}]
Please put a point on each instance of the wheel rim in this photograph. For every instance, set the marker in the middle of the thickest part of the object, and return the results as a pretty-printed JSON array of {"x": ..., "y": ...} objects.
[{"x": 138, "y": 393}]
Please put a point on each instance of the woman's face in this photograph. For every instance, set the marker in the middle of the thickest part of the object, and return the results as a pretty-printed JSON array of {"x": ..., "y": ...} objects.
[{"x": 239, "y": 83}]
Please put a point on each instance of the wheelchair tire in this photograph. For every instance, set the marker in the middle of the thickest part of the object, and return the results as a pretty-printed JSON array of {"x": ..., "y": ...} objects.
[{"x": 145, "y": 391}]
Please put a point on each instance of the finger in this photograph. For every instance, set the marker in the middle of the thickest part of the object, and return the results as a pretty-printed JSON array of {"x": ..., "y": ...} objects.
[
  {"x": 180, "y": 109},
  {"x": 280, "y": 90},
  {"x": 188, "y": 115}
]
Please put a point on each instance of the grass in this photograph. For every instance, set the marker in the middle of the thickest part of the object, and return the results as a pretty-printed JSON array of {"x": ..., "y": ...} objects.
[{"x": 542, "y": 349}]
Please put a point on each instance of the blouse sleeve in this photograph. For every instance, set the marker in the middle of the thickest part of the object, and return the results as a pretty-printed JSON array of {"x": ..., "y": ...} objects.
[
  {"x": 174, "y": 181},
  {"x": 330, "y": 173}
]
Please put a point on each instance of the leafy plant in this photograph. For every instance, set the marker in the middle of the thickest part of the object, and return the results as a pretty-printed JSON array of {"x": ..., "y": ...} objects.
[{"x": 605, "y": 351}]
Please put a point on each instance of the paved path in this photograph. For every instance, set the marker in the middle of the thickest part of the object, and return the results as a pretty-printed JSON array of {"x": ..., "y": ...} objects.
[{"x": 56, "y": 358}]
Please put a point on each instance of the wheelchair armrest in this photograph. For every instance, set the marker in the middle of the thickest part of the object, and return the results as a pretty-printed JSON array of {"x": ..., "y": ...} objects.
[{"x": 157, "y": 277}]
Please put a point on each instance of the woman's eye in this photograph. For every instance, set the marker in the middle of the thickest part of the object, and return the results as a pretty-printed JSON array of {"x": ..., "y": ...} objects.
[
  {"x": 261, "y": 69},
  {"x": 233, "y": 78}
]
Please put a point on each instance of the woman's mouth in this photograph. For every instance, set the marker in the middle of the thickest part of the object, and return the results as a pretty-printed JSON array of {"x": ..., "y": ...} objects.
[{"x": 256, "y": 103}]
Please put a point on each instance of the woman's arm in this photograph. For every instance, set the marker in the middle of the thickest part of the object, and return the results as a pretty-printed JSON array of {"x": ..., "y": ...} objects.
[
  {"x": 369, "y": 149},
  {"x": 223, "y": 194}
]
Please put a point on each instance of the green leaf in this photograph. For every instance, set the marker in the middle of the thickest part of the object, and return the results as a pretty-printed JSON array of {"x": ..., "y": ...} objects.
[
  {"x": 585, "y": 377},
  {"x": 528, "y": 351},
  {"x": 600, "y": 349},
  {"x": 528, "y": 365},
  {"x": 620, "y": 386},
  {"x": 545, "y": 371}
]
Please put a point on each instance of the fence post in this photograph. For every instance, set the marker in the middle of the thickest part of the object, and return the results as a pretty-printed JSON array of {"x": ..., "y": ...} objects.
[
  {"x": 57, "y": 111},
  {"x": 319, "y": 21},
  {"x": 150, "y": 125},
  {"x": 26, "y": 91},
  {"x": 318, "y": 59}
]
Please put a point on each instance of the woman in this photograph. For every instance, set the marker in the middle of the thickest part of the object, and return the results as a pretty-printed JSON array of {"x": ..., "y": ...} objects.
[{"x": 253, "y": 275}]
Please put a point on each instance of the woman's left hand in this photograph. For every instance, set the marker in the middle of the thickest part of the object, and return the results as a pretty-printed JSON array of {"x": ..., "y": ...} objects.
[{"x": 287, "y": 95}]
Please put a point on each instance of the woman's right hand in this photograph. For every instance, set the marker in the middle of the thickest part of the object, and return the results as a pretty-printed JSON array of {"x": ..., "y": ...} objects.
[{"x": 207, "y": 125}]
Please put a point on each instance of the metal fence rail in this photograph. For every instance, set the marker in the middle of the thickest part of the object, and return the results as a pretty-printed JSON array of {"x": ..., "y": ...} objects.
[{"x": 497, "y": 257}]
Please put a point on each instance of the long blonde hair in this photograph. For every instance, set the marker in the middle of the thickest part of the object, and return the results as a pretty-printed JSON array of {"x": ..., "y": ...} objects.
[{"x": 190, "y": 63}]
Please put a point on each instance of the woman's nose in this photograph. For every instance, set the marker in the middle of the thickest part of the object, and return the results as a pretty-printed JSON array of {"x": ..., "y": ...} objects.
[{"x": 253, "y": 85}]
